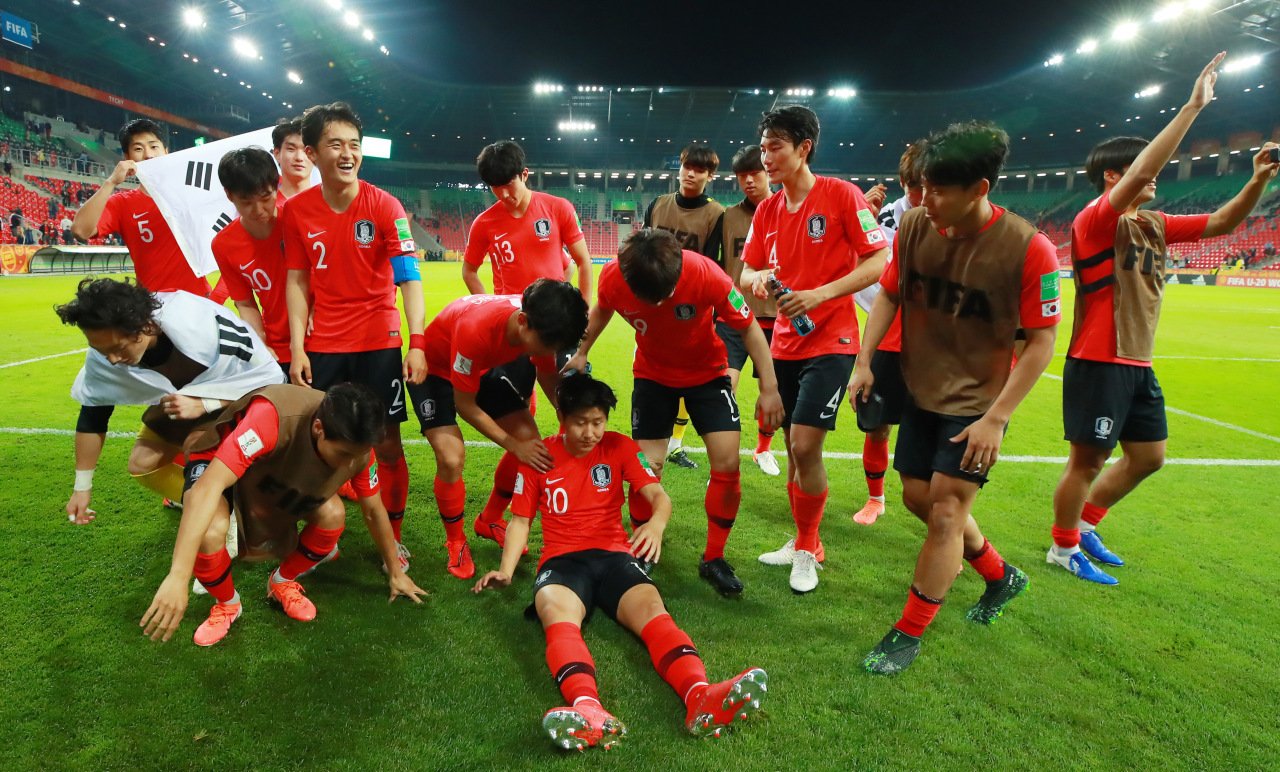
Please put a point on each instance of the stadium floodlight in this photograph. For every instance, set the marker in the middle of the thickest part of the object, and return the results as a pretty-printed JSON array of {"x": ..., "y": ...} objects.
[
  {"x": 244, "y": 48},
  {"x": 1125, "y": 31},
  {"x": 384, "y": 50},
  {"x": 1087, "y": 47},
  {"x": 335, "y": 4},
  {"x": 576, "y": 126},
  {"x": 842, "y": 93},
  {"x": 367, "y": 34},
  {"x": 192, "y": 17},
  {"x": 1054, "y": 60},
  {"x": 294, "y": 77},
  {"x": 351, "y": 19},
  {"x": 1170, "y": 11},
  {"x": 1146, "y": 92},
  {"x": 1242, "y": 64}
]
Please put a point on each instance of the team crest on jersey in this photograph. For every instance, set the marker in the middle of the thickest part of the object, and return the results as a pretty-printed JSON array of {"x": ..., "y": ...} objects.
[
  {"x": 601, "y": 475},
  {"x": 364, "y": 231},
  {"x": 685, "y": 312},
  {"x": 542, "y": 227},
  {"x": 428, "y": 409},
  {"x": 1102, "y": 427},
  {"x": 817, "y": 226}
]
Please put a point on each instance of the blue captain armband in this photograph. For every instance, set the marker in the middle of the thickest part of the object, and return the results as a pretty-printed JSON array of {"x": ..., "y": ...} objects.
[{"x": 405, "y": 268}]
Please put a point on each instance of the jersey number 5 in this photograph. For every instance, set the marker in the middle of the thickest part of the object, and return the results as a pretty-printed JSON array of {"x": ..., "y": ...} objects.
[{"x": 144, "y": 232}]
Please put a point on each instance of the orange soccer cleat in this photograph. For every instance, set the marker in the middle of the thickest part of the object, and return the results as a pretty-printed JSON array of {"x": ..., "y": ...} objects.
[
  {"x": 347, "y": 492},
  {"x": 711, "y": 707},
  {"x": 494, "y": 531},
  {"x": 219, "y": 622},
  {"x": 869, "y": 513},
  {"x": 460, "y": 563},
  {"x": 290, "y": 596},
  {"x": 585, "y": 725}
]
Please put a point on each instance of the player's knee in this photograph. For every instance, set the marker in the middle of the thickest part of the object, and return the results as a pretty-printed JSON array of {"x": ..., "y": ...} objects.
[
  {"x": 726, "y": 463},
  {"x": 881, "y": 434},
  {"x": 1147, "y": 464},
  {"x": 331, "y": 515},
  {"x": 1088, "y": 462},
  {"x": 947, "y": 517},
  {"x": 215, "y": 536},
  {"x": 806, "y": 454},
  {"x": 916, "y": 503},
  {"x": 144, "y": 461}
]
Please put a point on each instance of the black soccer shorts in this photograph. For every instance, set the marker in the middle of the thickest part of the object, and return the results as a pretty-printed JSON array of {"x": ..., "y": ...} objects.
[
  {"x": 736, "y": 349},
  {"x": 504, "y": 390},
  {"x": 382, "y": 371},
  {"x": 886, "y": 368},
  {"x": 924, "y": 445},
  {"x": 812, "y": 389},
  {"x": 1104, "y": 403},
  {"x": 712, "y": 408},
  {"x": 598, "y": 577}
]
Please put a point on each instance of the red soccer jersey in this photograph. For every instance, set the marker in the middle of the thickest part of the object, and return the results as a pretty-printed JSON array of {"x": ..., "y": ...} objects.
[
  {"x": 819, "y": 243},
  {"x": 257, "y": 430},
  {"x": 1092, "y": 233},
  {"x": 523, "y": 250},
  {"x": 676, "y": 342},
  {"x": 469, "y": 338},
  {"x": 892, "y": 340},
  {"x": 581, "y": 499},
  {"x": 157, "y": 259},
  {"x": 1034, "y": 308},
  {"x": 256, "y": 267},
  {"x": 349, "y": 258}
]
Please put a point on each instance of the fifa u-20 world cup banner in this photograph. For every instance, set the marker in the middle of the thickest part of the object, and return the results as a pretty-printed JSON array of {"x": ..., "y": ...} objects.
[{"x": 185, "y": 187}]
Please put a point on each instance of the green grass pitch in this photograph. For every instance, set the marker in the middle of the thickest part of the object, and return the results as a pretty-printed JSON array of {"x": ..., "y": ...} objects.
[{"x": 1176, "y": 668}]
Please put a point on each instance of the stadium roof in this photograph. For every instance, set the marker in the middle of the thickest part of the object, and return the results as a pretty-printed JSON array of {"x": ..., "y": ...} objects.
[{"x": 231, "y": 68}]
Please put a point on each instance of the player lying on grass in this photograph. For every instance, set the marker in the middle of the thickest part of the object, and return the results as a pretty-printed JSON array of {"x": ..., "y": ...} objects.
[
  {"x": 588, "y": 562},
  {"x": 483, "y": 354},
  {"x": 1109, "y": 390},
  {"x": 279, "y": 455},
  {"x": 671, "y": 297},
  {"x": 183, "y": 355},
  {"x": 966, "y": 275}
]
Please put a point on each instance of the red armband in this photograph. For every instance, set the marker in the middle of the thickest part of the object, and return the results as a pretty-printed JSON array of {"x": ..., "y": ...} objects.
[{"x": 418, "y": 341}]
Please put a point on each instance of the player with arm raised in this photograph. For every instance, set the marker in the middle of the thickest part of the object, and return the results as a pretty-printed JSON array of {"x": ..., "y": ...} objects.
[
  {"x": 818, "y": 237},
  {"x": 348, "y": 245},
  {"x": 588, "y": 562}
]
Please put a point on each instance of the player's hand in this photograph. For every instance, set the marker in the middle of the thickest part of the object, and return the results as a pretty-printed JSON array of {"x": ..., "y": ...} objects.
[
  {"x": 1202, "y": 91},
  {"x": 769, "y": 410},
  {"x": 984, "y": 437},
  {"x": 492, "y": 579},
  {"x": 167, "y": 608},
  {"x": 300, "y": 370},
  {"x": 401, "y": 584},
  {"x": 799, "y": 302},
  {"x": 415, "y": 366},
  {"x": 1263, "y": 168},
  {"x": 860, "y": 385},
  {"x": 123, "y": 171},
  {"x": 646, "y": 542},
  {"x": 576, "y": 363},
  {"x": 180, "y": 406},
  {"x": 875, "y": 197},
  {"x": 760, "y": 284},
  {"x": 78, "y": 511},
  {"x": 533, "y": 453}
]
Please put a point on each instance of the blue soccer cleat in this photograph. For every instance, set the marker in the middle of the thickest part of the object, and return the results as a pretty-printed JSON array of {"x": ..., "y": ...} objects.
[
  {"x": 1079, "y": 565},
  {"x": 1091, "y": 543}
]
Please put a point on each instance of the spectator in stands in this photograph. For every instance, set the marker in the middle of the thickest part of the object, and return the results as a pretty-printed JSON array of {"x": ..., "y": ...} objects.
[
  {"x": 53, "y": 208},
  {"x": 47, "y": 233},
  {"x": 8, "y": 167},
  {"x": 65, "y": 226},
  {"x": 15, "y": 224}
]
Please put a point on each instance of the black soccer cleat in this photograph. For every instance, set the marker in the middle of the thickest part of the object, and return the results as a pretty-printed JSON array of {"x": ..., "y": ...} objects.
[
  {"x": 680, "y": 458},
  {"x": 893, "y": 653},
  {"x": 998, "y": 595},
  {"x": 721, "y": 576}
]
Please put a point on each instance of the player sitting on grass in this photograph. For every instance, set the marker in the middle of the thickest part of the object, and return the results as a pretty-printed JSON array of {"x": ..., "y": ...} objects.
[
  {"x": 1109, "y": 391},
  {"x": 279, "y": 455},
  {"x": 483, "y": 352},
  {"x": 588, "y": 562}
]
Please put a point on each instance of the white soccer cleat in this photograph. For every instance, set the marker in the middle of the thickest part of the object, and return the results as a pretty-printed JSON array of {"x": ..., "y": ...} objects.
[
  {"x": 804, "y": 571},
  {"x": 767, "y": 463},
  {"x": 404, "y": 555},
  {"x": 198, "y": 588},
  {"x": 233, "y": 537},
  {"x": 782, "y": 557}
]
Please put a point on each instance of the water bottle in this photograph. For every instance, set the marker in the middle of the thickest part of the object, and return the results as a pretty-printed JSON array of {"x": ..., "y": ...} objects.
[{"x": 802, "y": 324}]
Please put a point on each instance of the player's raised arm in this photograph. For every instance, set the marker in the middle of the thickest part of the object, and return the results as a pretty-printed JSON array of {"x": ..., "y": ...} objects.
[
  {"x": 597, "y": 320},
  {"x": 1229, "y": 216},
  {"x": 85, "y": 224}
]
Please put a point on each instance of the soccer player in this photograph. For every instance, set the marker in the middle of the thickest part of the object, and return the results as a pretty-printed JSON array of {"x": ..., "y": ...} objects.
[
  {"x": 670, "y": 296},
  {"x": 291, "y": 154},
  {"x": 754, "y": 183},
  {"x": 698, "y": 223},
  {"x": 1109, "y": 391},
  {"x": 588, "y": 562},
  {"x": 967, "y": 275},
  {"x": 279, "y": 454},
  {"x": 885, "y": 364},
  {"x": 183, "y": 355},
  {"x": 348, "y": 244},
  {"x": 820, "y": 239},
  {"x": 525, "y": 234},
  {"x": 250, "y": 251},
  {"x": 482, "y": 353}
]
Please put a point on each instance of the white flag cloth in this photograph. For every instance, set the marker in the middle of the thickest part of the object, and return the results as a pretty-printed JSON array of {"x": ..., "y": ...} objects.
[
  {"x": 890, "y": 215},
  {"x": 185, "y": 187}
]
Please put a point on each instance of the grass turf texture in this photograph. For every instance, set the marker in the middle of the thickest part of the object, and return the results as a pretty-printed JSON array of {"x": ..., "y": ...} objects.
[{"x": 1175, "y": 668}]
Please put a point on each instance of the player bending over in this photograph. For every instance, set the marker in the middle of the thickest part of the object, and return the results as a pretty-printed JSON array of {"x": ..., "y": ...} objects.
[
  {"x": 966, "y": 275},
  {"x": 588, "y": 562},
  {"x": 279, "y": 455}
]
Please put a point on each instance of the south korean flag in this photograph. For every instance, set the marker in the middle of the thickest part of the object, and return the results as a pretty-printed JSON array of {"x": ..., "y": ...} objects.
[{"x": 185, "y": 187}]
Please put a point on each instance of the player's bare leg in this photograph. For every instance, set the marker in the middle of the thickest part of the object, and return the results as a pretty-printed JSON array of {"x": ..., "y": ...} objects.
[
  {"x": 807, "y": 491},
  {"x": 723, "y": 497},
  {"x": 151, "y": 464},
  {"x": 213, "y": 569},
  {"x": 393, "y": 474},
  {"x": 491, "y": 523},
  {"x": 874, "y": 507},
  {"x": 583, "y": 723},
  {"x": 655, "y": 452},
  {"x": 451, "y": 496}
]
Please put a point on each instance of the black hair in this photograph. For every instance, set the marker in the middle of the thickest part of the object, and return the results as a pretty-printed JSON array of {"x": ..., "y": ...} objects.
[
  {"x": 1111, "y": 155},
  {"x": 248, "y": 171},
  {"x": 747, "y": 160},
  {"x": 582, "y": 392},
  {"x": 651, "y": 263},
  {"x": 964, "y": 153},
  {"x": 316, "y": 118},
  {"x": 909, "y": 164},
  {"x": 700, "y": 157},
  {"x": 500, "y": 163},
  {"x": 107, "y": 304},
  {"x": 793, "y": 123},
  {"x": 556, "y": 311},
  {"x": 285, "y": 128},
  {"x": 351, "y": 412},
  {"x": 139, "y": 126}
]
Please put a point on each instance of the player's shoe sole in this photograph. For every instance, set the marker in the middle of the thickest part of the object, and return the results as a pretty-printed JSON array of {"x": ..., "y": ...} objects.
[
  {"x": 742, "y": 699},
  {"x": 570, "y": 728},
  {"x": 1091, "y": 543},
  {"x": 998, "y": 595},
  {"x": 1079, "y": 565},
  {"x": 893, "y": 654},
  {"x": 869, "y": 513}
]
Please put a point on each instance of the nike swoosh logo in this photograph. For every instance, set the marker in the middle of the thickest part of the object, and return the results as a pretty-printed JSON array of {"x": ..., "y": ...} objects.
[
  {"x": 144, "y": 214},
  {"x": 558, "y": 479},
  {"x": 826, "y": 415},
  {"x": 246, "y": 265},
  {"x": 500, "y": 235},
  {"x": 313, "y": 235},
  {"x": 770, "y": 235}
]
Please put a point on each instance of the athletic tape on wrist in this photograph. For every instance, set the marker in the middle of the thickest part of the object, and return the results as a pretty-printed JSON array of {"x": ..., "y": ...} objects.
[
  {"x": 84, "y": 480},
  {"x": 211, "y": 405}
]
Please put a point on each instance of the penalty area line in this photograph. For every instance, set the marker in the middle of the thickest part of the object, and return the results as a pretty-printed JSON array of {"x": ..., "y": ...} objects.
[{"x": 41, "y": 359}]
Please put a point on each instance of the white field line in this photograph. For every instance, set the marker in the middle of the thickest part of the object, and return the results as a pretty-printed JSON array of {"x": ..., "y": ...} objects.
[
  {"x": 1222, "y": 359},
  {"x": 41, "y": 359},
  {"x": 833, "y": 456}
]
